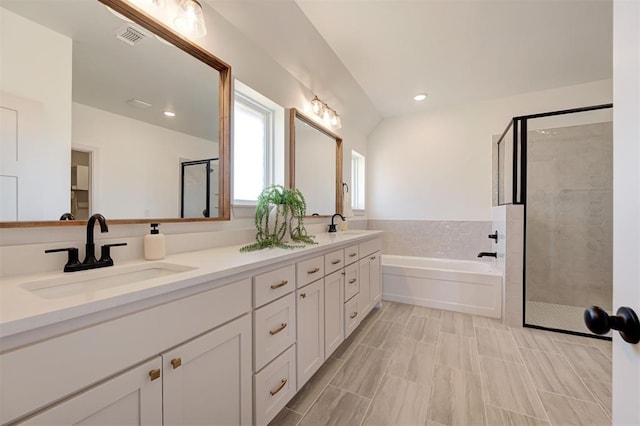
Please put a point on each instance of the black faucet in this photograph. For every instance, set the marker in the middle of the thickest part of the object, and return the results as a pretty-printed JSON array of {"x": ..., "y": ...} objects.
[
  {"x": 90, "y": 261},
  {"x": 332, "y": 227},
  {"x": 488, "y": 254},
  {"x": 90, "y": 247}
]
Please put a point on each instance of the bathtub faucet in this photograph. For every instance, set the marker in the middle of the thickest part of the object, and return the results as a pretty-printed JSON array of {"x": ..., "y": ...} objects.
[{"x": 488, "y": 254}]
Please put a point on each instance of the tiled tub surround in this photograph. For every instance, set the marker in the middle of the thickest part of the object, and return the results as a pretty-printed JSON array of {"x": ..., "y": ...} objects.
[
  {"x": 569, "y": 215},
  {"x": 434, "y": 238},
  {"x": 408, "y": 365}
]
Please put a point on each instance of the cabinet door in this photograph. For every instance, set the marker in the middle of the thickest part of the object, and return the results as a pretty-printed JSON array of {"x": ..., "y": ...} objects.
[
  {"x": 131, "y": 398},
  {"x": 364, "y": 303},
  {"x": 207, "y": 381},
  {"x": 310, "y": 330},
  {"x": 333, "y": 312},
  {"x": 375, "y": 283}
]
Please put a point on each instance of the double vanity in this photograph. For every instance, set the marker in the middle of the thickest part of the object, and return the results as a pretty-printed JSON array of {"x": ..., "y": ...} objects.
[{"x": 208, "y": 337}]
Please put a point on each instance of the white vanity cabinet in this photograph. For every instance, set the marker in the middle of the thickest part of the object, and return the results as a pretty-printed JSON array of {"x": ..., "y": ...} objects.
[{"x": 97, "y": 365}]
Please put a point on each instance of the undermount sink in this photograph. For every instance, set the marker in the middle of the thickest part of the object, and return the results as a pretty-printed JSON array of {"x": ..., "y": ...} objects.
[{"x": 86, "y": 282}]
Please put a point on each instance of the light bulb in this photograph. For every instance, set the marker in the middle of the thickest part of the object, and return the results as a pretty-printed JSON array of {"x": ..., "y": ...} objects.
[
  {"x": 327, "y": 117},
  {"x": 338, "y": 124},
  {"x": 316, "y": 106}
]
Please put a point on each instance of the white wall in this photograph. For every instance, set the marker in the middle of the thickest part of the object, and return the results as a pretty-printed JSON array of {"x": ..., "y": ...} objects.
[
  {"x": 436, "y": 165},
  {"x": 38, "y": 87},
  {"x": 140, "y": 179}
]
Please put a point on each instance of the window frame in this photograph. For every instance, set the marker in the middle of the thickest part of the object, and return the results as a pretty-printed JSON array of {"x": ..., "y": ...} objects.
[{"x": 358, "y": 182}]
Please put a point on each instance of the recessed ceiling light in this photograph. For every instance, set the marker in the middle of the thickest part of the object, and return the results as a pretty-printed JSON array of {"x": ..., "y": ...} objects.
[
  {"x": 170, "y": 114},
  {"x": 420, "y": 97}
]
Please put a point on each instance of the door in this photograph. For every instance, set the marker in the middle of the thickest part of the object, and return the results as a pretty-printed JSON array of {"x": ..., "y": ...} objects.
[
  {"x": 333, "y": 311},
  {"x": 626, "y": 203},
  {"x": 207, "y": 381},
  {"x": 310, "y": 329},
  {"x": 375, "y": 287},
  {"x": 131, "y": 398},
  {"x": 364, "y": 271}
]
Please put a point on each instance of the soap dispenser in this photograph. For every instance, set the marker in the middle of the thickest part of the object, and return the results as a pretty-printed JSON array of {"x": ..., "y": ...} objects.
[{"x": 154, "y": 244}]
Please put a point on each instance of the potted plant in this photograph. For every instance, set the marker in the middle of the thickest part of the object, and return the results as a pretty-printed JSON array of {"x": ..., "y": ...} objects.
[{"x": 279, "y": 219}]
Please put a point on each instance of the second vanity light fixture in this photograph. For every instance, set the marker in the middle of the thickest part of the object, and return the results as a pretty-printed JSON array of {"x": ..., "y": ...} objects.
[
  {"x": 185, "y": 16},
  {"x": 328, "y": 115}
]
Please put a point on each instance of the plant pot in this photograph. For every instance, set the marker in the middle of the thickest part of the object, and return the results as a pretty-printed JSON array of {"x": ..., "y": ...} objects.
[{"x": 280, "y": 217}]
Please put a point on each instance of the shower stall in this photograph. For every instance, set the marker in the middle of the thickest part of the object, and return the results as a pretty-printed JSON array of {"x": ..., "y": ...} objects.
[
  {"x": 199, "y": 188},
  {"x": 559, "y": 165}
]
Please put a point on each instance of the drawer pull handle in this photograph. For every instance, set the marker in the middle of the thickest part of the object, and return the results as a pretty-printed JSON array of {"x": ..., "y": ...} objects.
[
  {"x": 353, "y": 254},
  {"x": 313, "y": 271},
  {"x": 176, "y": 362},
  {"x": 303, "y": 295},
  {"x": 279, "y": 329},
  {"x": 154, "y": 374},
  {"x": 335, "y": 262},
  {"x": 275, "y": 286},
  {"x": 353, "y": 315},
  {"x": 352, "y": 280},
  {"x": 279, "y": 388},
  {"x": 343, "y": 273},
  {"x": 372, "y": 258}
]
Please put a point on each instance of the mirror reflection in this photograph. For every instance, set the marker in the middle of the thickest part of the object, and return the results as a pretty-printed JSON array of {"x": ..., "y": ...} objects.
[
  {"x": 101, "y": 115},
  {"x": 316, "y": 165}
]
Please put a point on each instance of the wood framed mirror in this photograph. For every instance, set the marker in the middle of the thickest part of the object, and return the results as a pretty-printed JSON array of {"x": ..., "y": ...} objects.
[
  {"x": 315, "y": 164},
  {"x": 88, "y": 91}
]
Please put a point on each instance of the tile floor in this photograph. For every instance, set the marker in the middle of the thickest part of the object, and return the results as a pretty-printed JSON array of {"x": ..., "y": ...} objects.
[{"x": 408, "y": 365}]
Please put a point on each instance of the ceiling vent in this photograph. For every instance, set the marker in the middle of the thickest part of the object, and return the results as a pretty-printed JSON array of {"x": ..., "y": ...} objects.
[{"x": 130, "y": 35}]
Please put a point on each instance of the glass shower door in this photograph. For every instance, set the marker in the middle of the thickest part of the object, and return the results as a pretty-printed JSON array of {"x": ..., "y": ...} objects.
[{"x": 199, "y": 195}]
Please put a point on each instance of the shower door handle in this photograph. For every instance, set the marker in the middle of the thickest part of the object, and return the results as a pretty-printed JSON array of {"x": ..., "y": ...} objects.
[{"x": 626, "y": 322}]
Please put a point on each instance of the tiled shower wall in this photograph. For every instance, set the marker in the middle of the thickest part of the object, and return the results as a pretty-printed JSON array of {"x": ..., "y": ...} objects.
[
  {"x": 431, "y": 238},
  {"x": 569, "y": 217}
]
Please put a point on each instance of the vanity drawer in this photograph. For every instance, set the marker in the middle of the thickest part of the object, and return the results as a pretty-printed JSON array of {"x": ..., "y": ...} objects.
[
  {"x": 370, "y": 246},
  {"x": 274, "y": 329},
  {"x": 351, "y": 254},
  {"x": 271, "y": 285},
  {"x": 351, "y": 282},
  {"x": 333, "y": 261},
  {"x": 351, "y": 315},
  {"x": 274, "y": 386},
  {"x": 309, "y": 270}
]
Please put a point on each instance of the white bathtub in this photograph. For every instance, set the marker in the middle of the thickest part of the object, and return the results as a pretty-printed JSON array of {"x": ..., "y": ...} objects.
[{"x": 455, "y": 285}]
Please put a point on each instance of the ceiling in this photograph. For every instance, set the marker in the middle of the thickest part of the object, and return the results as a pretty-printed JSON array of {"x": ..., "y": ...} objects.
[{"x": 456, "y": 51}]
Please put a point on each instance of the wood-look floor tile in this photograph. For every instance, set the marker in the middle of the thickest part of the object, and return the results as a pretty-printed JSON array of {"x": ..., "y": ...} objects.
[
  {"x": 347, "y": 347},
  {"x": 602, "y": 392},
  {"x": 383, "y": 335},
  {"x": 552, "y": 372},
  {"x": 456, "y": 398},
  {"x": 336, "y": 407},
  {"x": 588, "y": 361},
  {"x": 487, "y": 322},
  {"x": 603, "y": 345},
  {"x": 396, "y": 312},
  {"x": 533, "y": 339},
  {"x": 398, "y": 402},
  {"x": 422, "y": 329},
  {"x": 413, "y": 361},
  {"x": 497, "y": 344},
  {"x": 563, "y": 410},
  {"x": 363, "y": 371},
  {"x": 314, "y": 387},
  {"x": 501, "y": 417},
  {"x": 458, "y": 352},
  {"x": 372, "y": 317},
  {"x": 423, "y": 311},
  {"x": 286, "y": 417},
  {"x": 457, "y": 323},
  {"x": 507, "y": 385}
]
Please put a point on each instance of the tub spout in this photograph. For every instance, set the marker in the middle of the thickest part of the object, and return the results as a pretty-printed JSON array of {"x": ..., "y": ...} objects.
[{"x": 488, "y": 254}]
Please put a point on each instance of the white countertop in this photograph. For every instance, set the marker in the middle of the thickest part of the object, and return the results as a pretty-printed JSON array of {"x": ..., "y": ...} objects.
[{"x": 22, "y": 310}]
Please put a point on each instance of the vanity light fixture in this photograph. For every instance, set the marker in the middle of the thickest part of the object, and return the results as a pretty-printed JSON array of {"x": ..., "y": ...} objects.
[
  {"x": 189, "y": 19},
  {"x": 185, "y": 16},
  {"x": 328, "y": 115},
  {"x": 420, "y": 97},
  {"x": 169, "y": 114}
]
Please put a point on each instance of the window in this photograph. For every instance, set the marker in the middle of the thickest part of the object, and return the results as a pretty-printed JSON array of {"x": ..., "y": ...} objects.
[
  {"x": 258, "y": 144},
  {"x": 357, "y": 181}
]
